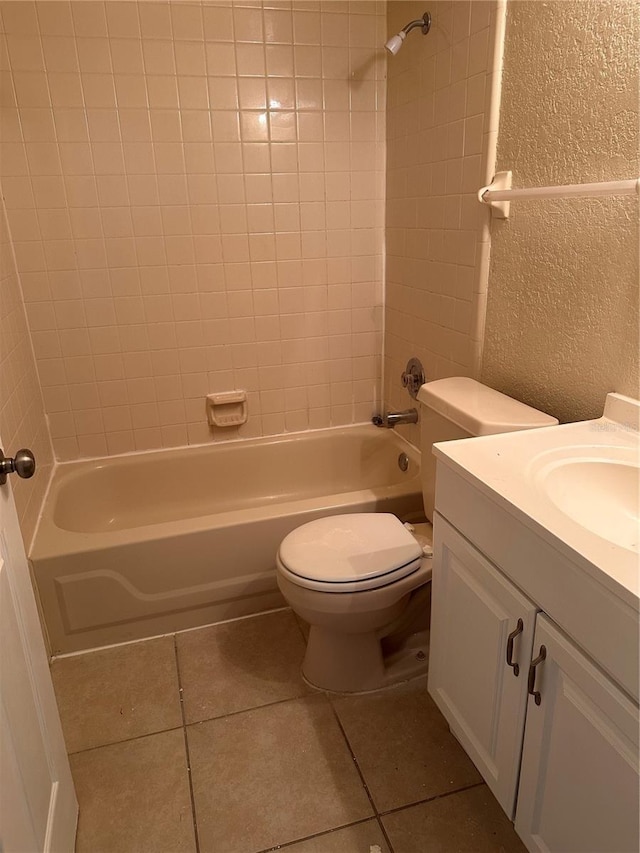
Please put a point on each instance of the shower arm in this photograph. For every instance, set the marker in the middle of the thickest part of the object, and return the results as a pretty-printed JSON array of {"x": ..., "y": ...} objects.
[
  {"x": 424, "y": 23},
  {"x": 395, "y": 42}
]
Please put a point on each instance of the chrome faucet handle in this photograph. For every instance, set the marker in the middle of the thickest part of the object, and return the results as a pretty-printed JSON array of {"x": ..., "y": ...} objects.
[{"x": 413, "y": 377}]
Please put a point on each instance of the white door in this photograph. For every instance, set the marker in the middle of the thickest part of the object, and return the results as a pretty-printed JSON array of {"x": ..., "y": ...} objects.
[
  {"x": 38, "y": 807},
  {"x": 479, "y": 623},
  {"x": 579, "y": 786}
]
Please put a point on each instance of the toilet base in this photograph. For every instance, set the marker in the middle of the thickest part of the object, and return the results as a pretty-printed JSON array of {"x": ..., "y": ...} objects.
[{"x": 364, "y": 664}]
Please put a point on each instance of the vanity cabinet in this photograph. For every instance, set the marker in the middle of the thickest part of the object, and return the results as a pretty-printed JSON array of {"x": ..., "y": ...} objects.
[
  {"x": 563, "y": 759},
  {"x": 478, "y": 614},
  {"x": 579, "y": 786}
]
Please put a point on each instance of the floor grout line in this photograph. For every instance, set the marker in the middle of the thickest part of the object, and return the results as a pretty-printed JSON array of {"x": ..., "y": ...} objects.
[
  {"x": 316, "y": 835},
  {"x": 361, "y": 775},
  {"x": 431, "y": 799},
  {"x": 186, "y": 725},
  {"x": 383, "y": 830},
  {"x": 126, "y": 740},
  {"x": 253, "y": 708},
  {"x": 186, "y": 747}
]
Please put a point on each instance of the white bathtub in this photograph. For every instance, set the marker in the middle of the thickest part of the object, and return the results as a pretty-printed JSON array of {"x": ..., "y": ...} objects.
[{"x": 143, "y": 544}]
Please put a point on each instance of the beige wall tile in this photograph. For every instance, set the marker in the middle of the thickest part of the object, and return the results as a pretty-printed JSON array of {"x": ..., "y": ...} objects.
[
  {"x": 156, "y": 182},
  {"x": 436, "y": 134},
  {"x": 22, "y": 409}
]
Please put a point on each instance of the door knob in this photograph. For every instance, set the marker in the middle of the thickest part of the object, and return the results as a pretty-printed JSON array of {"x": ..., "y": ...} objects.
[{"x": 23, "y": 464}]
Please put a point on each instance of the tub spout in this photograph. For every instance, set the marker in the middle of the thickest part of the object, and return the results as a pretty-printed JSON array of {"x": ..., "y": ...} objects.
[{"x": 391, "y": 419}]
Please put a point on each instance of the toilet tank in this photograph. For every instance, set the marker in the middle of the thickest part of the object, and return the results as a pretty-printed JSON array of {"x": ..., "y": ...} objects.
[{"x": 461, "y": 408}]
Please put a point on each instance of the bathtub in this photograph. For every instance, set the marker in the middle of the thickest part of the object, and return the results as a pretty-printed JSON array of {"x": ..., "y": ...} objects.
[{"x": 144, "y": 544}]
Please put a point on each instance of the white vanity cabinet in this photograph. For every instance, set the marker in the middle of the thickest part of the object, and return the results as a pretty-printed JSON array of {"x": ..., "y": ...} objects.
[
  {"x": 575, "y": 754},
  {"x": 579, "y": 786},
  {"x": 481, "y": 639}
]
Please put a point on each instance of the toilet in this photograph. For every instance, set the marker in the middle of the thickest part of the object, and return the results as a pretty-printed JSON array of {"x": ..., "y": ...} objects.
[{"x": 361, "y": 580}]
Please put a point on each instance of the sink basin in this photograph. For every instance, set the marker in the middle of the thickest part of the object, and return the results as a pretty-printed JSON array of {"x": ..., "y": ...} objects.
[
  {"x": 600, "y": 493},
  {"x": 576, "y": 485}
]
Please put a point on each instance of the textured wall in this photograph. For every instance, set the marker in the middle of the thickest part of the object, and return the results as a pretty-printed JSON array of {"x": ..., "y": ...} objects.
[
  {"x": 562, "y": 315},
  {"x": 439, "y": 134},
  {"x": 22, "y": 420},
  {"x": 195, "y": 194}
]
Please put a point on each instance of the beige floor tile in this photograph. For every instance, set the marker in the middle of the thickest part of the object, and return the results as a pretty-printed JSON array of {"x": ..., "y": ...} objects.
[
  {"x": 272, "y": 775},
  {"x": 116, "y": 694},
  {"x": 360, "y": 838},
  {"x": 466, "y": 822},
  {"x": 134, "y": 797},
  {"x": 240, "y": 665},
  {"x": 403, "y": 745}
]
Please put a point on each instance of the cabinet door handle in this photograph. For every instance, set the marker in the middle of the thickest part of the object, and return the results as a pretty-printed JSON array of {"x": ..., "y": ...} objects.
[
  {"x": 532, "y": 675},
  {"x": 510, "y": 640}
]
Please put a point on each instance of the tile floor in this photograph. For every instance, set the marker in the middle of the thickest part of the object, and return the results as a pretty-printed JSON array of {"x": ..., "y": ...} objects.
[{"x": 210, "y": 741}]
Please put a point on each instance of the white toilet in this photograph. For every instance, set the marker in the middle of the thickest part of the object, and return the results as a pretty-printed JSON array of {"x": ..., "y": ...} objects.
[{"x": 361, "y": 580}]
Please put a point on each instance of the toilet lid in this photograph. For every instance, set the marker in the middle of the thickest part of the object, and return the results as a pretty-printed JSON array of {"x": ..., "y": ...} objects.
[{"x": 347, "y": 548}]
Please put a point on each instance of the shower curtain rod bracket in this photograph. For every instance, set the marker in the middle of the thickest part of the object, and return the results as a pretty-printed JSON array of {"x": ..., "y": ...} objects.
[{"x": 501, "y": 181}]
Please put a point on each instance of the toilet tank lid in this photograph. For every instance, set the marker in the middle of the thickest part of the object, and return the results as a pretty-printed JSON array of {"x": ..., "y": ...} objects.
[{"x": 480, "y": 410}]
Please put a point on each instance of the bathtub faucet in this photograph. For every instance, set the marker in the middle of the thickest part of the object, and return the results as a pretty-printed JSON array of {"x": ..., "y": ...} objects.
[{"x": 391, "y": 419}]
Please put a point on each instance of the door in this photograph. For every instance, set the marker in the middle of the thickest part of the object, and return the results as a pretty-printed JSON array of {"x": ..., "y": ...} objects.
[
  {"x": 481, "y": 637},
  {"x": 38, "y": 808},
  {"x": 579, "y": 787}
]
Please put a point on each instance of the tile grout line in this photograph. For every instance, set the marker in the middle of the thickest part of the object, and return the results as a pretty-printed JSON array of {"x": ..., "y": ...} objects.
[
  {"x": 194, "y": 723},
  {"x": 253, "y": 708},
  {"x": 315, "y": 835},
  {"x": 432, "y": 799},
  {"x": 361, "y": 775},
  {"x": 125, "y": 740},
  {"x": 186, "y": 747}
]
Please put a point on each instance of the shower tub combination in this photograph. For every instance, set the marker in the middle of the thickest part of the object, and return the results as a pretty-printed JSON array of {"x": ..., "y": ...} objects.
[{"x": 150, "y": 543}]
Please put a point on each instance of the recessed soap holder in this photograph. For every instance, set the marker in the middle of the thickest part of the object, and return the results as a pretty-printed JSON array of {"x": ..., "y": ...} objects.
[{"x": 227, "y": 408}]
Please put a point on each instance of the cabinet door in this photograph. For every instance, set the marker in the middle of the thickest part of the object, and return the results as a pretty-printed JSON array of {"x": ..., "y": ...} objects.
[
  {"x": 579, "y": 787},
  {"x": 474, "y": 610}
]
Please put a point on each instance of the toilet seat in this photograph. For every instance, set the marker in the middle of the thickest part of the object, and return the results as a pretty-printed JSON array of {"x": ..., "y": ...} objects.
[{"x": 349, "y": 553}]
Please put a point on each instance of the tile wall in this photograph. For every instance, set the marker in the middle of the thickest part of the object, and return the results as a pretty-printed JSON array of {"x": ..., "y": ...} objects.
[
  {"x": 195, "y": 195},
  {"x": 441, "y": 134},
  {"x": 22, "y": 420}
]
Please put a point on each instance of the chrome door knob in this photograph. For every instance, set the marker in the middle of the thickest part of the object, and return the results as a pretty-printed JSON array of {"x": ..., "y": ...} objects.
[{"x": 23, "y": 464}]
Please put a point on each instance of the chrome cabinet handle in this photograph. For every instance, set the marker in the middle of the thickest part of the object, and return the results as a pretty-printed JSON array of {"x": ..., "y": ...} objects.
[
  {"x": 23, "y": 464},
  {"x": 510, "y": 640},
  {"x": 532, "y": 675}
]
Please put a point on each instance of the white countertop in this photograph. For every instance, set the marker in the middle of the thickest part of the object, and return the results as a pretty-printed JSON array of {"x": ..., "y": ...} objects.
[{"x": 509, "y": 468}]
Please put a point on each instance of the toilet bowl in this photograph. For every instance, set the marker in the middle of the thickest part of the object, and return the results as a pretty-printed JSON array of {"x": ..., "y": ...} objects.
[
  {"x": 362, "y": 581},
  {"x": 351, "y": 578}
]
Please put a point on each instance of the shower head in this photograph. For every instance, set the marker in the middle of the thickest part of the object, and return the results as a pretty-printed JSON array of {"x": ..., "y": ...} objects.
[{"x": 395, "y": 42}]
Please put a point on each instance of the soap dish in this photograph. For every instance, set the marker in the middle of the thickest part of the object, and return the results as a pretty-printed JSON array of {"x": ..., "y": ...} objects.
[{"x": 227, "y": 408}]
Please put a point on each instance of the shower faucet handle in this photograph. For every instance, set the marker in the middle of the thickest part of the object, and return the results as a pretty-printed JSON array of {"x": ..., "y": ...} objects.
[{"x": 413, "y": 377}]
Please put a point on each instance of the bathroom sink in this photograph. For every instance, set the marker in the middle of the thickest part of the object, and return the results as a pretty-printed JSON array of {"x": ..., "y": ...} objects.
[
  {"x": 577, "y": 485},
  {"x": 601, "y": 492}
]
